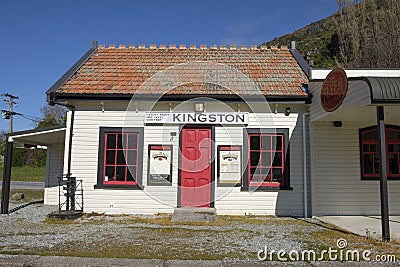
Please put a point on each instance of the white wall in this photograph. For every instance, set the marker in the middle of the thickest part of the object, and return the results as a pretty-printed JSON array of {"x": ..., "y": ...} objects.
[
  {"x": 153, "y": 199},
  {"x": 54, "y": 167},
  {"x": 358, "y": 95},
  {"x": 338, "y": 188}
]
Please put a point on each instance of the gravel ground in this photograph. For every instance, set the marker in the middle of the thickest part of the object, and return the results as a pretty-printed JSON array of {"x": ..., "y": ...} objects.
[{"x": 27, "y": 231}]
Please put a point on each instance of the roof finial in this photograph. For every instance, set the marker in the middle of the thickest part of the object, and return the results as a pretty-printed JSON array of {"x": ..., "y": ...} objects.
[{"x": 94, "y": 44}]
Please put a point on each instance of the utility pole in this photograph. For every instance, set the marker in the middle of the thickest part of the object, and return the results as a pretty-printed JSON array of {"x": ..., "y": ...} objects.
[{"x": 11, "y": 103}]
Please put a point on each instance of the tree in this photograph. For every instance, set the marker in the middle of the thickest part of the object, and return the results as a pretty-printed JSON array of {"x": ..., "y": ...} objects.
[
  {"x": 369, "y": 33},
  {"x": 52, "y": 116},
  {"x": 3, "y": 138}
]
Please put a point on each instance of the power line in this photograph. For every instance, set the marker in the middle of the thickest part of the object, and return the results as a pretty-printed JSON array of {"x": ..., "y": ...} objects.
[
  {"x": 11, "y": 103},
  {"x": 7, "y": 115}
]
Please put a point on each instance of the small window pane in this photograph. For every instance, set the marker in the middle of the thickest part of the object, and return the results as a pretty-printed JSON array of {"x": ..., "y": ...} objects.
[
  {"x": 365, "y": 148},
  {"x": 132, "y": 157},
  {"x": 110, "y": 157},
  {"x": 267, "y": 172},
  {"x": 257, "y": 178},
  {"x": 266, "y": 159},
  {"x": 393, "y": 163},
  {"x": 278, "y": 142},
  {"x": 374, "y": 135},
  {"x": 131, "y": 174},
  {"x": 397, "y": 148},
  {"x": 120, "y": 176},
  {"x": 367, "y": 135},
  {"x": 110, "y": 173},
  {"x": 254, "y": 158},
  {"x": 391, "y": 147},
  {"x": 120, "y": 157},
  {"x": 277, "y": 159},
  {"x": 266, "y": 142},
  {"x": 277, "y": 175},
  {"x": 111, "y": 140},
  {"x": 255, "y": 171},
  {"x": 254, "y": 142},
  {"x": 373, "y": 148},
  {"x": 119, "y": 141},
  {"x": 370, "y": 135},
  {"x": 368, "y": 164},
  {"x": 132, "y": 141},
  {"x": 391, "y": 134},
  {"x": 376, "y": 163}
]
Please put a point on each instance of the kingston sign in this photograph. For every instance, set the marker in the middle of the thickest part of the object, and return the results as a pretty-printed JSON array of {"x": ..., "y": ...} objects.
[{"x": 196, "y": 118}]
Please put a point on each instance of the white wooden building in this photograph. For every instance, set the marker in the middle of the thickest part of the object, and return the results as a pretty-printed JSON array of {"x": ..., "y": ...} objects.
[
  {"x": 344, "y": 144},
  {"x": 238, "y": 129}
]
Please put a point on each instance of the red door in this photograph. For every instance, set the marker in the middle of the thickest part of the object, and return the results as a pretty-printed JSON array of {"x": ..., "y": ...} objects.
[{"x": 196, "y": 167}]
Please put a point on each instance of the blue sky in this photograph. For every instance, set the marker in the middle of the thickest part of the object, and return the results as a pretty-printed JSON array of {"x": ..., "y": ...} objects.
[{"x": 41, "y": 39}]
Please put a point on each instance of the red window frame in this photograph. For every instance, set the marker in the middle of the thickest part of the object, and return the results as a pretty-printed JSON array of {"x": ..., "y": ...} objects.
[
  {"x": 369, "y": 149},
  {"x": 117, "y": 157},
  {"x": 262, "y": 174}
]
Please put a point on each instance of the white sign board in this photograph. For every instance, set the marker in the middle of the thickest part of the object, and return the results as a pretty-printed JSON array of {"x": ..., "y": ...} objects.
[
  {"x": 229, "y": 165},
  {"x": 196, "y": 118},
  {"x": 160, "y": 164}
]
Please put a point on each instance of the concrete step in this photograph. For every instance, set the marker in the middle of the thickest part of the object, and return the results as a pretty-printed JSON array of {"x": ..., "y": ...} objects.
[{"x": 194, "y": 215}]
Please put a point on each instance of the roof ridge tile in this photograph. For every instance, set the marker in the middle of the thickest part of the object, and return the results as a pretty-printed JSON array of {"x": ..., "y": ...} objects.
[{"x": 201, "y": 47}]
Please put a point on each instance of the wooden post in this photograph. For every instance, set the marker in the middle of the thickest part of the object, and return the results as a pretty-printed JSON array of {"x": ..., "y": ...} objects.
[
  {"x": 5, "y": 193},
  {"x": 383, "y": 174}
]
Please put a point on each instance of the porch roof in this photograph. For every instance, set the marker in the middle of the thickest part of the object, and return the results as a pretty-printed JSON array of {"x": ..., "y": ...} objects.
[
  {"x": 384, "y": 89},
  {"x": 43, "y": 136}
]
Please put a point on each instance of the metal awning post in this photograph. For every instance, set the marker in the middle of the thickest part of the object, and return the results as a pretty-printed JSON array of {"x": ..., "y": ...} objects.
[
  {"x": 5, "y": 192},
  {"x": 383, "y": 174}
]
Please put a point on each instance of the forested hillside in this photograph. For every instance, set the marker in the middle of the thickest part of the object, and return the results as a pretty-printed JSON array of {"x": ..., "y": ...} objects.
[{"x": 362, "y": 34}]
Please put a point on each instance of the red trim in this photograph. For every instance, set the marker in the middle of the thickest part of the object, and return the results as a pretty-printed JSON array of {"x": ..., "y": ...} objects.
[
  {"x": 165, "y": 148},
  {"x": 266, "y": 171},
  {"x": 372, "y": 142},
  {"x": 125, "y": 149},
  {"x": 229, "y": 148}
]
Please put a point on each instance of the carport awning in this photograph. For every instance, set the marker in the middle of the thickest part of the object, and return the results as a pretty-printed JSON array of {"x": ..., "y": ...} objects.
[
  {"x": 43, "y": 136},
  {"x": 384, "y": 89}
]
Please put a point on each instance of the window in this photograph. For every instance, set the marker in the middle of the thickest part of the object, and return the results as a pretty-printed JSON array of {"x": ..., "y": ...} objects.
[
  {"x": 120, "y": 158},
  {"x": 267, "y": 155},
  {"x": 370, "y": 153}
]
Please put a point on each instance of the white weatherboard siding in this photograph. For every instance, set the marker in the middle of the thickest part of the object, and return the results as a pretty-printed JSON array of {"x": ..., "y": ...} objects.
[
  {"x": 338, "y": 187},
  {"x": 357, "y": 95},
  {"x": 277, "y": 202},
  {"x": 153, "y": 199},
  {"x": 54, "y": 167}
]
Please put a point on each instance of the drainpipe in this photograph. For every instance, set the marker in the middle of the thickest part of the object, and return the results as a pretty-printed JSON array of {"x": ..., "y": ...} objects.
[
  {"x": 71, "y": 181},
  {"x": 71, "y": 130},
  {"x": 305, "y": 164}
]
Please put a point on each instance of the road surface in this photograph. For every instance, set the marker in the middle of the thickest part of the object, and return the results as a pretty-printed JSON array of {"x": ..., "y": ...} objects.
[{"x": 25, "y": 185}]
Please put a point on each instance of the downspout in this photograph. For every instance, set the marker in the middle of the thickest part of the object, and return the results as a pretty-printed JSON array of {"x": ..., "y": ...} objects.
[
  {"x": 305, "y": 164},
  {"x": 71, "y": 181},
  {"x": 71, "y": 130}
]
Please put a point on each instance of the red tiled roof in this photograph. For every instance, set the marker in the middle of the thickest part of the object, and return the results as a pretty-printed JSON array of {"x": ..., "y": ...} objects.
[{"x": 124, "y": 70}]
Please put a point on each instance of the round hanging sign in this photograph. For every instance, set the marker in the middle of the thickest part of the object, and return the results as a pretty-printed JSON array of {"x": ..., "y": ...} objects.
[{"x": 334, "y": 90}]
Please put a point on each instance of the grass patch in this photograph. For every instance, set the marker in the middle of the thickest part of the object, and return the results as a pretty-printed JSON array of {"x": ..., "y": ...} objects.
[
  {"x": 157, "y": 237},
  {"x": 49, "y": 220},
  {"x": 153, "y": 243},
  {"x": 328, "y": 237},
  {"x": 27, "y": 173},
  {"x": 29, "y": 194},
  {"x": 165, "y": 220}
]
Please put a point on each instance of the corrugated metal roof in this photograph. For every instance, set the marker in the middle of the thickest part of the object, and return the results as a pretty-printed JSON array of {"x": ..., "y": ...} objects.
[
  {"x": 384, "y": 89},
  {"x": 125, "y": 70}
]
